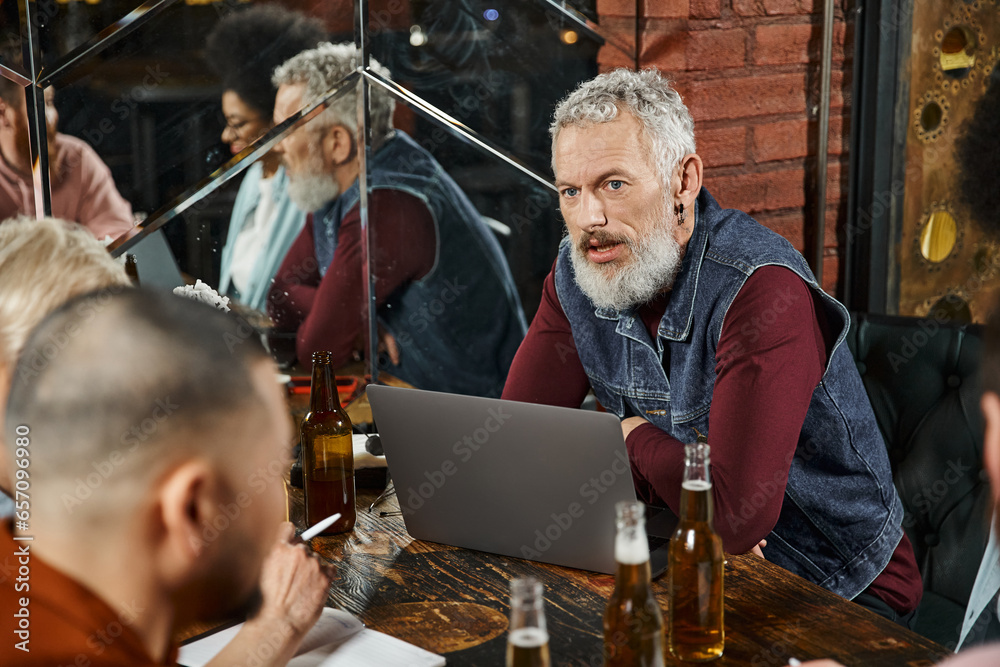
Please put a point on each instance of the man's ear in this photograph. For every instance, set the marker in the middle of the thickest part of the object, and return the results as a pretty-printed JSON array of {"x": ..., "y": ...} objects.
[
  {"x": 338, "y": 144},
  {"x": 186, "y": 504},
  {"x": 990, "y": 405},
  {"x": 687, "y": 181}
]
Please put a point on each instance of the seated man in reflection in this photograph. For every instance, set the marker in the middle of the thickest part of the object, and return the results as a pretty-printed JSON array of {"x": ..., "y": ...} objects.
[
  {"x": 446, "y": 299},
  {"x": 82, "y": 188},
  {"x": 244, "y": 49},
  {"x": 153, "y": 438},
  {"x": 681, "y": 315}
]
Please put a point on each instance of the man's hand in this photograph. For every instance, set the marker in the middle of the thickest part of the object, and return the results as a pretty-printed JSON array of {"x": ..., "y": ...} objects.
[
  {"x": 294, "y": 585},
  {"x": 757, "y": 550},
  {"x": 630, "y": 424},
  {"x": 387, "y": 344}
]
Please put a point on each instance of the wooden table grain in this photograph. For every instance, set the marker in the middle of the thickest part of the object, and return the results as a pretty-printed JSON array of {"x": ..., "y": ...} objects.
[{"x": 455, "y": 602}]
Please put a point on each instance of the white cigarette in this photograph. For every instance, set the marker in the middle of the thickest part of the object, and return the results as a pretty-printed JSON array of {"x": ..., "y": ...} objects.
[{"x": 318, "y": 528}]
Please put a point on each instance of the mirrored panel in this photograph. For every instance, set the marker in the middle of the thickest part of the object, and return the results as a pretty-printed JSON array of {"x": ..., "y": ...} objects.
[
  {"x": 171, "y": 118},
  {"x": 497, "y": 68},
  {"x": 66, "y": 27},
  {"x": 461, "y": 241},
  {"x": 170, "y": 95},
  {"x": 10, "y": 36}
]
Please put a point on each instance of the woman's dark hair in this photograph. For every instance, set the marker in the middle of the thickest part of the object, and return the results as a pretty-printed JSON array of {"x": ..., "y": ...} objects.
[
  {"x": 245, "y": 48},
  {"x": 978, "y": 155}
]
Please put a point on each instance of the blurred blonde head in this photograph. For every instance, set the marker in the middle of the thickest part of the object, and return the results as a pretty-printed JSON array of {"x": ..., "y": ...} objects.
[{"x": 43, "y": 264}]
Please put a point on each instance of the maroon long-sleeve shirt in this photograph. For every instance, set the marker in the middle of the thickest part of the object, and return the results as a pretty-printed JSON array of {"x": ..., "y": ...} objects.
[
  {"x": 328, "y": 311},
  {"x": 766, "y": 372}
]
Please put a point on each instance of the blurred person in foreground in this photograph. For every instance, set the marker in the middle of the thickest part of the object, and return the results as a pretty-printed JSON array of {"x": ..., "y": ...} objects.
[
  {"x": 978, "y": 153},
  {"x": 43, "y": 263},
  {"x": 447, "y": 303},
  {"x": 244, "y": 48},
  {"x": 82, "y": 188},
  {"x": 154, "y": 437},
  {"x": 682, "y": 315},
  {"x": 987, "y": 655}
]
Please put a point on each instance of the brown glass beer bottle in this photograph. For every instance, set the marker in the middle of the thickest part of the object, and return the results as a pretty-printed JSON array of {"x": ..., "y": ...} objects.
[
  {"x": 695, "y": 629},
  {"x": 528, "y": 639},
  {"x": 633, "y": 623},
  {"x": 327, "y": 452}
]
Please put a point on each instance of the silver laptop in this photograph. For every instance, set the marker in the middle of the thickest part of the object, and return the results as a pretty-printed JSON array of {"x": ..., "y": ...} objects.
[
  {"x": 155, "y": 262},
  {"x": 517, "y": 479}
]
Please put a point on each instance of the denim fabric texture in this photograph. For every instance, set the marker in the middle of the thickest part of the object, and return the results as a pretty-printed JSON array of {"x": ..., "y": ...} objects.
[
  {"x": 841, "y": 517},
  {"x": 459, "y": 326}
]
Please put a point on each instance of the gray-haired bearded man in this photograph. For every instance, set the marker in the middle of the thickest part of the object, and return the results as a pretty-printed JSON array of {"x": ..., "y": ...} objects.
[
  {"x": 445, "y": 295},
  {"x": 681, "y": 315}
]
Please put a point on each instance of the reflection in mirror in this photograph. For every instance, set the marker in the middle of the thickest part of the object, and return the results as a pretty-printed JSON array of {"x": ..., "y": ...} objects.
[
  {"x": 244, "y": 49},
  {"x": 82, "y": 188},
  {"x": 10, "y": 36},
  {"x": 488, "y": 234},
  {"x": 147, "y": 103},
  {"x": 449, "y": 310},
  {"x": 317, "y": 294},
  {"x": 498, "y": 68}
]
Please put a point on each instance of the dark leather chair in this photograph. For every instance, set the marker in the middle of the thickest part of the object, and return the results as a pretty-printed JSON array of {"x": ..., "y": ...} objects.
[{"x": 923, "y": 379}]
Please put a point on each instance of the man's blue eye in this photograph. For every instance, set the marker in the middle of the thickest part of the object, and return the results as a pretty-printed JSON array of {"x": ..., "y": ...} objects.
[
  {"x": 570, "y": 192},
  {"x": 615, "y": 185}
]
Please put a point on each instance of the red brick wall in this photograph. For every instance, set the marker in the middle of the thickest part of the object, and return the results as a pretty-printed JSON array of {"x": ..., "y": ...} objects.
[{"x": 749, "y": 72}]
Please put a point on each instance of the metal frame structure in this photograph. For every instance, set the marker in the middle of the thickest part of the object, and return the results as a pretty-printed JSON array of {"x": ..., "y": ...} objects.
[{"x": 34, "y": 80}]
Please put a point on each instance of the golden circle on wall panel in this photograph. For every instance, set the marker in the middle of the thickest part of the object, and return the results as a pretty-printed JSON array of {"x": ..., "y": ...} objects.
[
  {"x": 940, "y": 235},
  {"x": 930, "y": 116}
]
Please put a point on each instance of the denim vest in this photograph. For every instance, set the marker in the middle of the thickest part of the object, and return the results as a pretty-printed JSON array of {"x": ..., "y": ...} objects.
[
  {"x": 459, "y": 326},
  {"x": 840, "y": 517}
]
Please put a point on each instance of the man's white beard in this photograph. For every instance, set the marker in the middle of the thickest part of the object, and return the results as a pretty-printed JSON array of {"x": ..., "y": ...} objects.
[
  {"x": 653, "y": 263},
  {"x": 310, "y": 191}
]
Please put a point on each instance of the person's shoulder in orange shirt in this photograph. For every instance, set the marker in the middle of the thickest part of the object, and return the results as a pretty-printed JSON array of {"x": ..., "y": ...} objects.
[{"x": 49, "y": 619}]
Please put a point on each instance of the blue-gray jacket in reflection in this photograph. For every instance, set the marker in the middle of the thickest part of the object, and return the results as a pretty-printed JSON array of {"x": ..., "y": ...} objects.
[
  {"x": 459, "y": 326},
  {"x": 840, "y": 518}
]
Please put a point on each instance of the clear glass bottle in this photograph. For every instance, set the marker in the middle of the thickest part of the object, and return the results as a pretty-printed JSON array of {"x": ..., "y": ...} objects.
[
  {"x": 633, "y": 622},
  {"x": 694, "y": 582},
  {"x": 528, "y": 639},
  {"x": 327, "y": 452}
]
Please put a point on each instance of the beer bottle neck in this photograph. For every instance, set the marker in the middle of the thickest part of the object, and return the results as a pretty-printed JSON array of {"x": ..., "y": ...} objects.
[
  {"x": 696, "y": 501},
  {"x": 632, "y": 556},
  {"x": 323, "y": 393}
]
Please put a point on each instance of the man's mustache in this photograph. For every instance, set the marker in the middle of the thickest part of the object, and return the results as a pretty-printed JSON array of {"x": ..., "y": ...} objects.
[{"x": 602, "y": 238}]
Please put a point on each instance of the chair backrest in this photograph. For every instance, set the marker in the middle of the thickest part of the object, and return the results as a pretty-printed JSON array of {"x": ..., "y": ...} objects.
[{"x": 923, "y": 379}]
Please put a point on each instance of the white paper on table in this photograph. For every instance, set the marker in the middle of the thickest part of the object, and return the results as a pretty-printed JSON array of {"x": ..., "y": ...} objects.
[
  {"x": 362, "y": 459},
  {"x": 337, "y": 640},
  {"x": 367, "y": 648}
]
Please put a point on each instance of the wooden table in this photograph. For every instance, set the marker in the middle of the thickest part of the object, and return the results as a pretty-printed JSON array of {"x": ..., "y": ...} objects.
[{"x": 455, "y": 602}]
